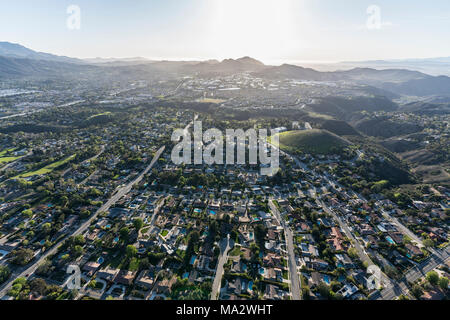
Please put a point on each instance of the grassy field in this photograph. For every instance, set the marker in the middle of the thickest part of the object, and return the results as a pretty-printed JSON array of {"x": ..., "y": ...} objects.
[
  {"x": 8, "y": 159},
  {"x": 5, "y": 156},
  {"x": 211, "y": 100},
  {"x": 47, "y": 169},
  {"x": 99, "y": 115},
  {"x": 311, "y": 141}
]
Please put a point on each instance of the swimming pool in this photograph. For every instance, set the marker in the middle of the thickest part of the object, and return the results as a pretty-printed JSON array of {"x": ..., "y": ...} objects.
[
  {"x": 212, "y": 212},
  {"x": 100, "y": 260},
  {"x": 194, "y": 257},
  {"x": 389, "y": 239},
  {"x": 197, "y": 210},
  {"x": 326, "y": 278}
]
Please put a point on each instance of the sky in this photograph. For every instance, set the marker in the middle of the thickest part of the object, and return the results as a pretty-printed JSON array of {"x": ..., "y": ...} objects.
[{"x": 273, "y": 31}]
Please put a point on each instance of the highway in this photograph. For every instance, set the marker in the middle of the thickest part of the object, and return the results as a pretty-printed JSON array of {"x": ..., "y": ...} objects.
[
  {"x": 293, "y": 271},
  {"x": 31, "y": 268}
]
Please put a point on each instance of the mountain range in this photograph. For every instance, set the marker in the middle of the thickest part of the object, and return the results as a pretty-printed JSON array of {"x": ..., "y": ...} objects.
[{"x": 18, "y": 61}]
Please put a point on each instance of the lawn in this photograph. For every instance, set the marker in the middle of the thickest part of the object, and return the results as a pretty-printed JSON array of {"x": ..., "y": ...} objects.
[
  {"x": 8, "y": 159},
  {"x": 47, "y": 169},
  {"x": 211, "y": 100},
  {"x": 235, "y": 252},
  {"x": 99, "y": 115},
  {"x": 5, "y": 156},
  {"x": 164, "y": 233},
  {"x": 6, "y": 151}
]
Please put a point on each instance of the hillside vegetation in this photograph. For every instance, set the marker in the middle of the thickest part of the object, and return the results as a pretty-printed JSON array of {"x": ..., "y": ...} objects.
[{"x": 314, "y": 141}]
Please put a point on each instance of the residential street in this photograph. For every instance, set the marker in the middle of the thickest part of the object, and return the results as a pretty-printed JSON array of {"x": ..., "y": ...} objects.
[
  {"x": 29, "y": 269},
  {"x": 440, "y": 257},
  {"x": 225, "y": 247},
  {"x": 293, "y": 271}
]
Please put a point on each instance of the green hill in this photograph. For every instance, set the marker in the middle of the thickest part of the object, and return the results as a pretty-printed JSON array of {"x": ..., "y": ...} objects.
[
  {"x": 341, "y": 128},
  {"x": 312, "y": 141}
]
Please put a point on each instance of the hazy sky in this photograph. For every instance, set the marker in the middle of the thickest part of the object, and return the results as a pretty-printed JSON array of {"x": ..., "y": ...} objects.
[{"x": 270, "y": 30}]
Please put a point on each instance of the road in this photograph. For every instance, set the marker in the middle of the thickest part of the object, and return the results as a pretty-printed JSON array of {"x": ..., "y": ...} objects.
[
  {"x": 31, "y": 268},
  {"x": 362, "y": 254},
  {"x": 402, "y": 228},
  {"x": 420, "y": 271},
  {"x": 293, "y": 271},
  {"x": 225, "y": 246}
]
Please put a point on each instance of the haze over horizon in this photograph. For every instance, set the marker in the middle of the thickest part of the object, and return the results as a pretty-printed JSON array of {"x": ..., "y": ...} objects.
[{"x": 271, "y": 31}]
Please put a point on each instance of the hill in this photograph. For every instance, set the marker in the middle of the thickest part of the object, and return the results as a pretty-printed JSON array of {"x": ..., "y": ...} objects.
[
  {"x": 421, "y": 87},
  {"x": 342, "y": 108},
  {"x": 385, "y": 128},
  {"x": 426, "y": 108},
  {"x": 19, "y": 67},
  {"x": 341, "y": 128},
  {"x": 226, "y": 67},
  {"x": 13, "y": 50},
  {"x": 314, "y": 141}
]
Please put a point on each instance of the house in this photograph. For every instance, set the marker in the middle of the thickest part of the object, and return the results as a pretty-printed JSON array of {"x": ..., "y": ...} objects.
[
  {"x": 348, "y": 290},
  {"x": 108, "y": 273},
  {"x": 145, "y": 279},
  {"x": 125, "y": 277},
  {"x": 344, "y": 261},
  {"x": 234, "y": 286},
  {"x": 91, "y": 267},
  {"x": 308, "y": 250},
  {"x": 271, "y": 293},
  {"x": 414, "y": 251},
  {"x": 165, "y": 286},
  {"x": 317, "y": 264}
]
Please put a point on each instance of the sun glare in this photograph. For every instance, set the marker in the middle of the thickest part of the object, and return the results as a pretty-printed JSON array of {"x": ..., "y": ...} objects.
[{"x": 262, "y": 28}]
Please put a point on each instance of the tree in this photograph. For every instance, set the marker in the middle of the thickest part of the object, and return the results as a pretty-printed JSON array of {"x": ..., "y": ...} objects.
[
  {"x": 46, "y": 227},
  {"x": 324, "y": 290},
  {"x": 22, "y": 256},
  {"x": 433, "y": 277},
  {"x": 124, "y": 233},
  {"x": 138, "y": 224},
  {"x": 417, "y": 291},
  {"x": 79, "y": 240},
  {"x": 38, "y": 285},
  {"x": 443, "y": 283},
  {"x": 428, "y": 243},
  {"x": 4, "y": 274},
  {"x": 352, "y": 253},
  {"x": 78, "y": 250},
  {"x": 27, "y": 213},
  {"x": 131, "y": 251}
]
